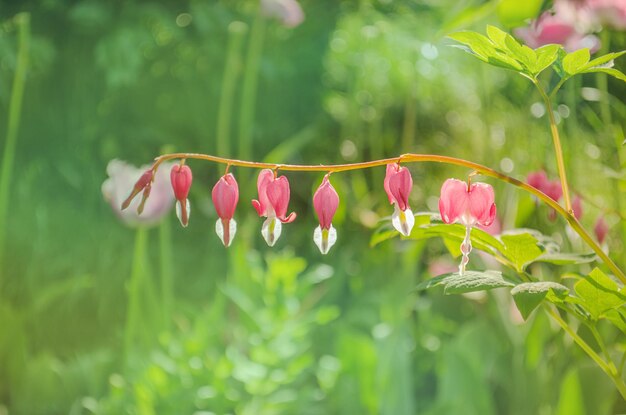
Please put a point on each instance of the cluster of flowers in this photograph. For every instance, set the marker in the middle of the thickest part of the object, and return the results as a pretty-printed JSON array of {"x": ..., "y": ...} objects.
[
  {"x": 571, "y": 23},
  {"x": 552, "y": 188},
  {"x": 468, "y": 203}
]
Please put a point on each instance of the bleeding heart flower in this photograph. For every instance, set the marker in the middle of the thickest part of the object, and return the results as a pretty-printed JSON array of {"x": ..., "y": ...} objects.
[
  {"x": 288, "y": 12},
  {"x": 470, "y": 204},
  {"x": 181, "y": 179},
  {"x": 225, "y": 196},
  {"x": 577, "y": 207},
  {"x": 398, "y": 185},
  {"x": 325, "y": 202},
  {"x": 601, "y": 229},
  {"x": 272, "y": 203}
]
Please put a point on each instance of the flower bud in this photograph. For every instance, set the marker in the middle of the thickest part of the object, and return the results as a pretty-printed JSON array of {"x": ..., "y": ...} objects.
[
  {"x": 398, "y": 185},
  {"x": 325, "y": 203},
  {"x": 141, "y": 184},
  {"x": 181, "y": 179},
  {"x": 225, "y": 196}
]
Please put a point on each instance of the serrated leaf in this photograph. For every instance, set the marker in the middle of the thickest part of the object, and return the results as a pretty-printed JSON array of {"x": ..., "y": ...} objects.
[
  {"x": 546, "y": 55},
  {"x": 521, "y": 249},
  {"x": 529, "y": 295},
  {"x": 609, "y": 71},
  {"x": 599, "y": 293},
  {"x": 575, "y": 61},
  {"x": 470, "y": 281},
  {"x": 566, "y": 259}
]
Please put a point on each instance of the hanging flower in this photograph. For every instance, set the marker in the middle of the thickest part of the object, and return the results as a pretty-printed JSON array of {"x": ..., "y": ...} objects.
[
  {"x": 225, "y": 196},
  {"x": 325, "y": 202},
  {"x": 273, "y": 202},
  {"x": 470, "y": 204},
  {"x": 577, "y": 207},
  {"x": 131, "y": 210},
  {"x": 398, "y": 185},
  {"x": 181, "y": 179}
]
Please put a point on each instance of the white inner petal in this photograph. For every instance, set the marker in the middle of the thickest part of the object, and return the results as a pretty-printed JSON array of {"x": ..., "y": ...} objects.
[
  {"x": 324, "y": 238},
  {"x": 403, "y": 221},
  {"x": 219, "y": 229},
  {"x": 271, "y": 230},
  {"x": 179, "y": 213}
]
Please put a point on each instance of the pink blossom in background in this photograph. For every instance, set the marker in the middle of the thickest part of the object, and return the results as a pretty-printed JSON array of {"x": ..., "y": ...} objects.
[
  {"x": 577, "y": 207},
  {"x": 556, "y": 29},
  {"x": 288, "y": 12},
  {"x": 122, "y": 178},
  {"x": 601, "y": 229},
  {"x": 610, "y": 13}
]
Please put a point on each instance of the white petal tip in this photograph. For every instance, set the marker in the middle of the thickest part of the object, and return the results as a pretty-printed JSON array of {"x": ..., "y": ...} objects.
[
  {"x": 403, "y": 221},
  {"x": 271, "y": 230},
  {"x": 325, "y": 238},
  {"x": 226, "y": 237},
  {"x": 184, "y": 219}
]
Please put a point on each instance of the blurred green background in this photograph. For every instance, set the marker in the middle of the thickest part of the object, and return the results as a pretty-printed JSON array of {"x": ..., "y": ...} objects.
[{"x": 254, "y": 330}]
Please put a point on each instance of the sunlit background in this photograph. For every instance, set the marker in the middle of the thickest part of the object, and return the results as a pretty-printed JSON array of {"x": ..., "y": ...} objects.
[{"x": 106, "y": 316}]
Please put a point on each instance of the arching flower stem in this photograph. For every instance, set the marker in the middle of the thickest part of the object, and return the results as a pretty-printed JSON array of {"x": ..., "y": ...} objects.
[{"x": 413, "y": 158}]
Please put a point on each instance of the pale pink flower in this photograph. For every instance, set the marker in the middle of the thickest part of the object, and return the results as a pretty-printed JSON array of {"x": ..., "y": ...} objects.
[
  {"x": 610, "y": 13},
  {"x": 288, "y": 12},
  {"x": 122, "y": 177},
  {"x": 225, "y": 196},
  {"x": 469, "y": 205},
  {"x": 181, "y": 179},
  {"x": 273, "y": 201},
  {"x": 325, "y": 203},
  {"x": 552, "y": 188},
  {"x": 577, "y": 207},
  {"x": 398, "y": 185},
  {"x": 552, "y": 28}
]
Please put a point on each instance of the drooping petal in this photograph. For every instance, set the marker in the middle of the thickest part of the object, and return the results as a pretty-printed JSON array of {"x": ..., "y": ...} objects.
[
  {"x": 183, "y": 210},
  {"x": 403, "y": 220},
  {"x": 226, "y": 230},
  {"x": 325, "y": 203},
  {"x": 400, "y": 186},
  {"x": 325, "y": 238},
  {"x": 278, "y": 194},
  {"x": 262, "y": 205},
  {"x": 271, "y": 230},
  {"x": 482, "y": 206},
  {"x": 454, "y": 200},
  {"x": 601, "y": 229},
  {"x": 391, "y": 170},
  {"x": 225, "y": 196},
  {"x": 144, "y": 180}
]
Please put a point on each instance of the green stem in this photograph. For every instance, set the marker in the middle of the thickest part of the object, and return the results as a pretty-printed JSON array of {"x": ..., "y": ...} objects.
[
  {"x": 232, "y": 68},
  {"x": 602, "y": 82},
  {"x": 414, "y": 158},
  {"x": 22, "y": 20},
  {"x": 558, "y": 150},
  {"x": 167, "y": 280},
  {"x": 607, "y": 368},
  {"x": 135, "y": 283},
  {"x": 249, "y": 87}
]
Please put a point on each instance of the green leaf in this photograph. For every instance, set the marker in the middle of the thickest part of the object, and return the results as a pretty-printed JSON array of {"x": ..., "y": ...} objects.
[
  {"x": 605, "y": 61},
  {"x": 470, "y": 281},
  {"x": 497, "y": 36},
  {"x": 574, "y": 62},
  {"x": 558, "y": 258},
  {"x": 522, "y": 53},
  {"x": 615, "y": 317},
  {"x": 529, "y": 295},
  {"x": 609, "y": 71},
  {"x": 546, "y": 55},
  {"x": 479, "y": 45},
  {"x": 599, "y": 293},
  {"x": 521, "y": 249}
]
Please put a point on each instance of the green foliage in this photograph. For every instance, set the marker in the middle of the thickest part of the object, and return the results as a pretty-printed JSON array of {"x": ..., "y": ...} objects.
[
  {"x": 599, "y": 293},
  {"x": 529, "y": 295},
  {"x": 502, "y": 50},
  {"x": 470, "y": 281}
]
